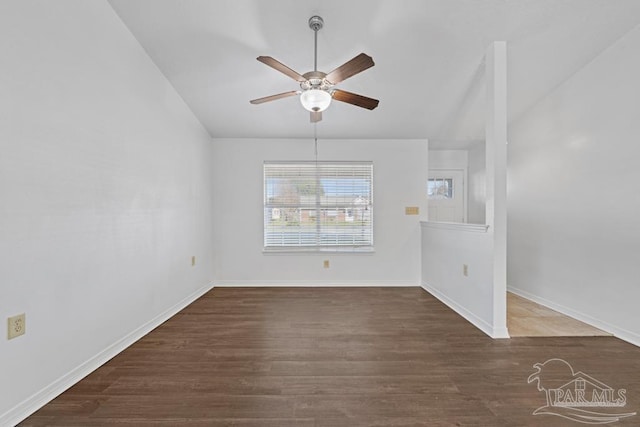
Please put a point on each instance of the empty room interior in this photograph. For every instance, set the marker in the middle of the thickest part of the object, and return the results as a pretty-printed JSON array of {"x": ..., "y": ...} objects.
[{"x": 319, "y": 213}]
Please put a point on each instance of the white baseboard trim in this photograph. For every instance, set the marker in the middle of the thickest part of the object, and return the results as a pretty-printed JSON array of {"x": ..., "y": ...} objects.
[
  {"x": 500, "y": 333},
  {"x": 315, "y": 283},
  {"x": 623, "y": 334},
  {"x": 469, "y": 316},
  {"x": 41, "y": 398}
]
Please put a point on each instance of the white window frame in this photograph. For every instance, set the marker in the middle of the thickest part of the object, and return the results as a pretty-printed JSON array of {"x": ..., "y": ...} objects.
[{"x": 332, "y": 229}]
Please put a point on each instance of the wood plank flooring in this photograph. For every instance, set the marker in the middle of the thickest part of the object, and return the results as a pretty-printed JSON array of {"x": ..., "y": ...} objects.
[
  {"x": 525, "y": 318},
  {"x": 331, "y": 357}
]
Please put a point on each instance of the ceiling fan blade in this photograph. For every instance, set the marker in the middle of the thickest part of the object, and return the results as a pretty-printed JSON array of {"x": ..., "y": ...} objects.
[
  {"x": 316, "y": 116},
  {"x": 274, "y": 97},
  {"x": 277, "y": 65},
  {"x": 355, "y": 99},
  {"x": 350, "y": 68}
]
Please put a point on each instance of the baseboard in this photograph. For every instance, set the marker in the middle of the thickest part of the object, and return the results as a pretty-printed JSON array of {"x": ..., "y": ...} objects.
[
  {"x": 500, "y": 333},
  {"x": 623, "y": 334},
  {"x": 314, "y": 283},
  {"x": 41, "y": 398},
  {"x": 469, "y": 316}
]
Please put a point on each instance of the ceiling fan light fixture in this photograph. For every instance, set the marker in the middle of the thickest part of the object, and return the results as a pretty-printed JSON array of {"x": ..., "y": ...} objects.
[{"x": 315, "y": 100}]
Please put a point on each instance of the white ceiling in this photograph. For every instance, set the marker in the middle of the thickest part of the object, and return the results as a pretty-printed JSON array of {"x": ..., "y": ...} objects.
[{"x": 428, "y": 74}]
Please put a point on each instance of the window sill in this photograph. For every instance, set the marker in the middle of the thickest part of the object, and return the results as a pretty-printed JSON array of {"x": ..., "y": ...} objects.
[{"x": 312, "y": 251}]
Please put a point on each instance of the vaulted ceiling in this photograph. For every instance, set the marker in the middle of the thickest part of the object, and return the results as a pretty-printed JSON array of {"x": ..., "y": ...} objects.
[{"x": 429, "y": 69}]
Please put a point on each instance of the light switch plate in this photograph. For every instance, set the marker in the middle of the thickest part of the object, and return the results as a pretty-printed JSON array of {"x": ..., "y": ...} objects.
[{"x": 411, "y": 210}]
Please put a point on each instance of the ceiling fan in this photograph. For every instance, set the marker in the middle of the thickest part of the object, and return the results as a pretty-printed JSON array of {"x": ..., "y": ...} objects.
[{"x": 316, "y": 87}]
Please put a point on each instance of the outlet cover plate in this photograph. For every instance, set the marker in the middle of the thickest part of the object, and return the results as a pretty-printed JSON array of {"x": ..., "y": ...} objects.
[{"x": 16, "y": 326}]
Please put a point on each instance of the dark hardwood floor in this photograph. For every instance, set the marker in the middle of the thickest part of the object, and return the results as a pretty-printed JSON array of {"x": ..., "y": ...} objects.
[{"x": 332, "y": 357}]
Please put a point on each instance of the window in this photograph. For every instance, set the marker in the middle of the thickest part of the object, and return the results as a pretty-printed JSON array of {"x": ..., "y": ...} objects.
[
  {"x": 318, "y": 206},
  {"x": 440, "y": 188}
]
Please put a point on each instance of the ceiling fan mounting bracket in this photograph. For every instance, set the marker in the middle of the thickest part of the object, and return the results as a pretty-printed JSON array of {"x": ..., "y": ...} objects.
[{"x": 316, "y": 23}]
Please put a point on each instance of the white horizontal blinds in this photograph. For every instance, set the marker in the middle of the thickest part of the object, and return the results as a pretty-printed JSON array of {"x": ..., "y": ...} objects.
[
  {"x": 289, "y": 198},
  {"x": 318, "y": 204},
  {"x": 345, "y": 204}
]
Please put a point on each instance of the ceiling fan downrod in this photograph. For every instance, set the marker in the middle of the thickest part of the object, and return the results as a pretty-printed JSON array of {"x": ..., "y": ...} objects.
[{"x": 315, "y": 23}]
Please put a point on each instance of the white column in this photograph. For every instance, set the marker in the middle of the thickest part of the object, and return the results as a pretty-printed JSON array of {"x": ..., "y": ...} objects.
[{"x": 496, "y": 163}]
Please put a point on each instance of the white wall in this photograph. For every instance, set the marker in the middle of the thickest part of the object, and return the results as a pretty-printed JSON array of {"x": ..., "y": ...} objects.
[
  {"x": 573, "y": 194},
  {"x": 446, "y": 248},
  {"x": 476, "y": 184},
  {"x": 448, "y": 159},
  {"x": 400, "y": 176},
  {"x": 106, "y": 194}
]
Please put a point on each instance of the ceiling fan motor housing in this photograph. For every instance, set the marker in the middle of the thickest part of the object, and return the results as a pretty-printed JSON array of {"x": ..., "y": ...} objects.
[{"x": 315, "y": 80}]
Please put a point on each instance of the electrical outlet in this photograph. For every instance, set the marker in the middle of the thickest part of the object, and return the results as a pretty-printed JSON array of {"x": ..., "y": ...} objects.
[
  {"x": 16, "y": 326},
  {"x": 465, "y": 270},
  {"x": 326, "y": 263},
  {"x": 193, "y": 261}
]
